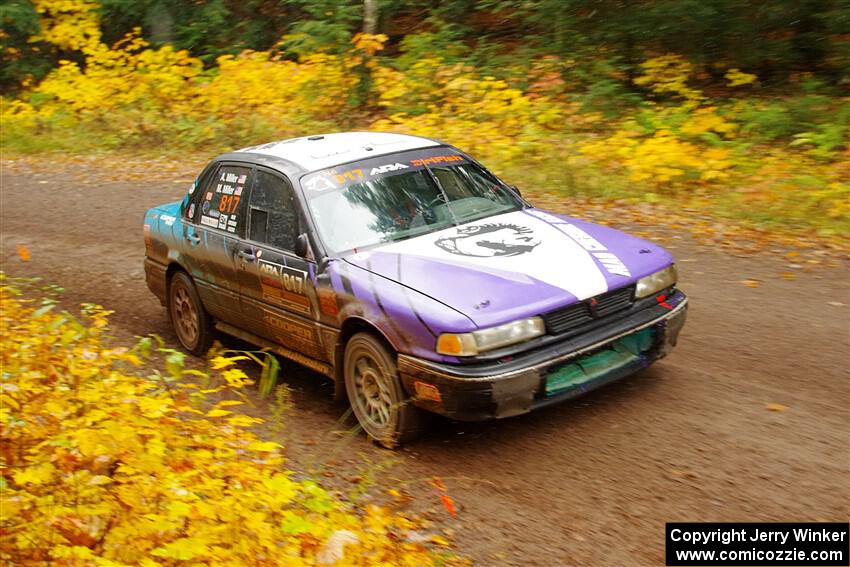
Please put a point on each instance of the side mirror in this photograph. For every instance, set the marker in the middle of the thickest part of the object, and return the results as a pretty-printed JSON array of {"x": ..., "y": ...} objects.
[
  {"x": 515, "y": 189},
  {"x": 302, "y": 245}
]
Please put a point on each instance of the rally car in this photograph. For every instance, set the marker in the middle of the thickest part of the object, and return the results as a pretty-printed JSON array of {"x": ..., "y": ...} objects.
[{"x": 410, "y": 275}]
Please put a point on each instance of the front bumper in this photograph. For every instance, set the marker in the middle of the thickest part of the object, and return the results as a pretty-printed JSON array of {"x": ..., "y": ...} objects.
[{"x": 536, "y": 379}]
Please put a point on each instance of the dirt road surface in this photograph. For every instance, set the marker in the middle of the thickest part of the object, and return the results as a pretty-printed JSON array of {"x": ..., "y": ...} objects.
[{"x": 746, "y": 421}]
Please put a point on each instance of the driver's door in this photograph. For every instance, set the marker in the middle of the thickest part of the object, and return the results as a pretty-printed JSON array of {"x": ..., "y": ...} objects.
[{"x": 277, "y": 286}]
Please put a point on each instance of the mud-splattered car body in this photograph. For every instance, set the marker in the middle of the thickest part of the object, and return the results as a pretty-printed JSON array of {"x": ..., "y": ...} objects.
[{"x": 489, "y": 306}]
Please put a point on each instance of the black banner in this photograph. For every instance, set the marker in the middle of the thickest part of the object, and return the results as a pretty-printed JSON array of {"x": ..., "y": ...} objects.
[{"x": 761, "y": 544}]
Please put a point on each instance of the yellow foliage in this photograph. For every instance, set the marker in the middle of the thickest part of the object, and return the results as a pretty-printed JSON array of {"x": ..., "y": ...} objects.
[
  {"x": 261, "y": 84},
  {"x": 72, "y": 25},
  {"x": 422, "y": 84},
  {"x": 738, "y": 78},
  {"x": 707, "y": 120},
  {"x": 103, "y": 466},
  {"x": 668, "y": 75},
  {"x": 660, "y": 158},
  {"x": 20, "y": 113},
  {"x": 484, "y": 115},
  {"x": 141, "y": 90},
  {"x": 370, "y": 44},
  {"x": 128, "y": 75}
]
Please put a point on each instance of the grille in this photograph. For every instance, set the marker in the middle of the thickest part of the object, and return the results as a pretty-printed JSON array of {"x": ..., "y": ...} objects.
[
  {"x": 614, "y": 301},
  {"x": 562, "y": 320},
  {"x": 565, "y": 319}
]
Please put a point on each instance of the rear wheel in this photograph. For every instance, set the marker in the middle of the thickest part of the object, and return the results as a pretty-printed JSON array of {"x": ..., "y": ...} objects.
[
  {"x": 375, "y": 392},
  {"x": 190, "y": 320}
]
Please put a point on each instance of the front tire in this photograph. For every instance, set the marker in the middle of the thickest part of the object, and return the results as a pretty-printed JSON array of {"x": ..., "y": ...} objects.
[
  {"x": 190, "y": 320},
  {"x": 374, "y": 390}
]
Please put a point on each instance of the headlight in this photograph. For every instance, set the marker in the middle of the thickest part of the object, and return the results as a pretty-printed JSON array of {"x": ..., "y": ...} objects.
[
  {"x": 656, "y": 282},
  {"x": 469, "y": 344}
]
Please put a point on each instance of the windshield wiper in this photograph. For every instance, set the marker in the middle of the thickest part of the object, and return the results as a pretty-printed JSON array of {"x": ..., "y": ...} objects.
[{"x": 443, "y": 191}]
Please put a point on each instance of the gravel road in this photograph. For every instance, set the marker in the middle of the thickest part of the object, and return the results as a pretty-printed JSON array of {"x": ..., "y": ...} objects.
[{"x": 746, "y": 421}]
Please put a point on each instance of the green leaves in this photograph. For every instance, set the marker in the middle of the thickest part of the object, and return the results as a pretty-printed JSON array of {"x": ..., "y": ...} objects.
[{"x": 268, "y": 377}]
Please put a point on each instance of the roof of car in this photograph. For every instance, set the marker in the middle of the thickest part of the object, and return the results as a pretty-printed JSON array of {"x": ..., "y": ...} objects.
[{"x": 327, "y": 150}]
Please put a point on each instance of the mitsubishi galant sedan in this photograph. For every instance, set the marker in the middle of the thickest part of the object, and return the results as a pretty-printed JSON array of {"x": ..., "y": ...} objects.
[{"x": 410, "y": 275}]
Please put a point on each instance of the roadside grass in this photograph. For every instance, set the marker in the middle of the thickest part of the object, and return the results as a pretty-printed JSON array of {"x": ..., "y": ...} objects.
[
  {"x": 790, "y": 209},
  {"x": 743, "y": 218}
]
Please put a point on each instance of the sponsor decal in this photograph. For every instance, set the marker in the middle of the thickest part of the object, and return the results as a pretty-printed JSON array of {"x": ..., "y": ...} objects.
[
  {"x": 228, "y": 203},
  {"x": 387, "y": 168},
  {"x": 318, "y": 184},
  {"x": 353, "y": 175},
  {"x": 222, "y": 221},
  {"x": 268, "y": 269},
  {"x": 488, "y": 240},
  {"x": 209, "y": 221},
  {"x": 284, "y": 285},
  {"x": 293, "y": 333},
  {"x": 293, "y": 280},
  {"x": 193, "y": 186},
  {"x": 613, "y": 264},
  {"x": 289, "y": 327},
  {"x": 191, "y": 213},
  {"x": 327, "y": 302},
  {"x": 436, "y": 160},
  {"x": 609, "y": 261},
  {"x": 208, "y": 196},
  {"x": 238, "y": 191},
  {"x": 516, "y": 246},
  {"x": 585, "y": 240},
  {"x": 167, "y": 219},
  {"x": 340, "y": 177}
]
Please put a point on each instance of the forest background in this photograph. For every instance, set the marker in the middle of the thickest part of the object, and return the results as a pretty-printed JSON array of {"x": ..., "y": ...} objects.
[{"x": 736, "y": 110}]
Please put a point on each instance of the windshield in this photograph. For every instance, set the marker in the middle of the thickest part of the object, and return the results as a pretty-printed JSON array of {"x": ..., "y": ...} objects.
[{"x": 399, "y": 196}]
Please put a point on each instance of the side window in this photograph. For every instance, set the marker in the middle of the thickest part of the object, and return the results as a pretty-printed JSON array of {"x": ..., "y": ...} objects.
[
  {"x": 222, "y": 195},
  {"x": 274, "y": 212},
  {"x": 195, "y": 194}
]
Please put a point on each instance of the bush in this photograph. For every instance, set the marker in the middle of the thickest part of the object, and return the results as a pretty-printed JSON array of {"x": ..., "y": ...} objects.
[{"x": 102, "y": 465}]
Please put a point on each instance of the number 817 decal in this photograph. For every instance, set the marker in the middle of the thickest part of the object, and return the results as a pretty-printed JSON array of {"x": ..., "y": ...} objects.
[{"x": 228, "y": 203}]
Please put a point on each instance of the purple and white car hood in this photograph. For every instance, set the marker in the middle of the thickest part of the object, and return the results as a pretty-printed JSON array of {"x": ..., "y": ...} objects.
[{"x": 515, "y": 265}]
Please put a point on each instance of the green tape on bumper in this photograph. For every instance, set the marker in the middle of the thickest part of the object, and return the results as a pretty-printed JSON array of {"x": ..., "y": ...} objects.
[{"x": 621, "y": 352}]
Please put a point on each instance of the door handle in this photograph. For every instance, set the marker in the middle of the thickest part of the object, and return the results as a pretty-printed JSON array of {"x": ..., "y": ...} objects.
[
  {"x": 193, "y": 238},
  {"x": 247, "y": 255}
]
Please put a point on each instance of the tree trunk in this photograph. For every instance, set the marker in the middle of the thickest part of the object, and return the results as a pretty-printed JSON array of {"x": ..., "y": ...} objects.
[
  {"x": 161, "y": 23},
  {"x": 370, "y": 16}
]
